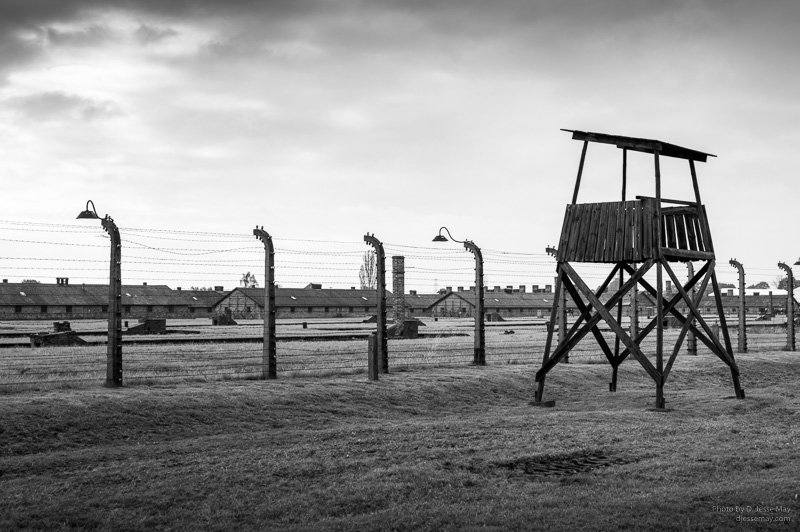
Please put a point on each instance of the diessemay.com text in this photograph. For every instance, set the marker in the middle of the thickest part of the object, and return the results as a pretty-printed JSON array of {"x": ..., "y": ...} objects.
[{"x": 744, "y": 513}]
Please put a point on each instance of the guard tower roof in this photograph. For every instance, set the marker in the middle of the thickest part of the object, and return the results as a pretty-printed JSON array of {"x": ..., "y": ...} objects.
[{"x": 643, "y": 145}]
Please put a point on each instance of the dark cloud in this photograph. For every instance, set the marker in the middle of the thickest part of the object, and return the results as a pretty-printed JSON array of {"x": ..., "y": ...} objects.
[
  {"x": 92, "y": 35},
  {"x": 146, "y": 34},
  {"x": 378, "y": 25},
  {"x": 31, "y": 13},
  {"x": 50, "y": 106}
]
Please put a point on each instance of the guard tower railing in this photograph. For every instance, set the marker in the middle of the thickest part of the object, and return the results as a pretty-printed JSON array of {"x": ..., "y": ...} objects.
[{"x": 635, "y": 231}]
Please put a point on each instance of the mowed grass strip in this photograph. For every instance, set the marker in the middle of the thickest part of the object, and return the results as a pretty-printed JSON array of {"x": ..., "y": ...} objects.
[
  {"x": 52, "y": 367},
  {"x": 417, "y": 450}
]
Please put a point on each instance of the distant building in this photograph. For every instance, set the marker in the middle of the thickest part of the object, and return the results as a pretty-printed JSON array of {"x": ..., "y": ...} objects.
[
  {"x": 507, "y": 302},
  {"x": 313, "y": 301},
  {"x": 64, "y": 301}
]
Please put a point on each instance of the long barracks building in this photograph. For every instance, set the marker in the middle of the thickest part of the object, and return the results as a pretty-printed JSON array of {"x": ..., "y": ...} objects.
[{"x": 64, "y": 301}]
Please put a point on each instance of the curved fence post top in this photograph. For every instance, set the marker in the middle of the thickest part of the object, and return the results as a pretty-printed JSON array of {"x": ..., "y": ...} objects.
[{"x": 738, "y": 265}]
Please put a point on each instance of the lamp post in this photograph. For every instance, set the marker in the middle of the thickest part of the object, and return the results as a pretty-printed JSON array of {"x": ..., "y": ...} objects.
[
  {"x": 114, "y": 358},
  {"x": 479, "y": 358}
]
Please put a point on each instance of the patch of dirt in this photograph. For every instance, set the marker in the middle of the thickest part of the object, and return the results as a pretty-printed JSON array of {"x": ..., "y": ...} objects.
[{"x": 559, "y": 465}]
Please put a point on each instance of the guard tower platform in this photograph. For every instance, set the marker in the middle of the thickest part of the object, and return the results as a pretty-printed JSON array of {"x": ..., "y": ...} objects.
[{"x": 636, "y": 236}]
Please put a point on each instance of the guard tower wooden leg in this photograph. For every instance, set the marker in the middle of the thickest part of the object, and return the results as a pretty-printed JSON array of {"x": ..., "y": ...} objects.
[
  {"x": 612, "y": 386},
  {"x": 660, "y": 403},
  {"x": 728, "y": 347},
  {"x": 539, "y": 393}
]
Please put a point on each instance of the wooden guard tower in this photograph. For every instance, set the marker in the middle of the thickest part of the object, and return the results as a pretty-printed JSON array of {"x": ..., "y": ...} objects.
[{"x": 635, "y": 236}]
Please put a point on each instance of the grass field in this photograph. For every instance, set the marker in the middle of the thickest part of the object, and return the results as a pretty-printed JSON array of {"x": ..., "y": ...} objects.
[
  {"x": 448, "y": 342},
  {"x": 439, "y": 449}
]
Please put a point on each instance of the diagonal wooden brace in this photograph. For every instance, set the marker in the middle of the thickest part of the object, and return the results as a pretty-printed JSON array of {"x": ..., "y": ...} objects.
[
  {"x": 601, "y": 341},
  {"x": 575, "y": 336},
  {"x": 706, "y": 336},
  {"x": 612, "y": 323},
  {"x": 691, "y": 304}
]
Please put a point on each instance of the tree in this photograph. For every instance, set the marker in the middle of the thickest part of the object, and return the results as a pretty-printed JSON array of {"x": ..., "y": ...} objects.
[
  {"x": 763, "y": 285},
  {"x": 31, "y": 281},
  {"x": 202, "y": 288},
  {"x": 783, "y": 282},
  {"x": 727, "y": 285},
  {"x": 368, "y": 273},
  {"x": 248, "y": 281}
]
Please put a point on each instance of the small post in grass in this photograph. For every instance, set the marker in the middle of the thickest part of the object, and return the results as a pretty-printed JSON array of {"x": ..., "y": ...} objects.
[{"x": 373, "y": 362}]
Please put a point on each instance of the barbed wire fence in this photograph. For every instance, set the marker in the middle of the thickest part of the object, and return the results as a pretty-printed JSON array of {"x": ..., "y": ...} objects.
[{"x": 204, "y": 260}]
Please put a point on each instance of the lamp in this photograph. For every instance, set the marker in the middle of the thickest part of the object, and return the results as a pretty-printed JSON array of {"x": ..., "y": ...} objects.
[{"x": 88, "y": 214}]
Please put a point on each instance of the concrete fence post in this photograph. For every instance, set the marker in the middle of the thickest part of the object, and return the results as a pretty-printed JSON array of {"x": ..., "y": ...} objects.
[
  {"x": 269, "y": 356},
  {"x": 114, "y": 362},
  {"x": 561, "y": 297},
  {"x": 742, "y": 346},
  {"x": 382, "y": 334},
  {"x": 691, "y": 339},
  {"x": 789, "y": 306},
  {"x": 114, "y": 352}
]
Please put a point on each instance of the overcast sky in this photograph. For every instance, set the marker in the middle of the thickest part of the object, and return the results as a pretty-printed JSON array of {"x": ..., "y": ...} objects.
[{"x": 327, "y": 119}]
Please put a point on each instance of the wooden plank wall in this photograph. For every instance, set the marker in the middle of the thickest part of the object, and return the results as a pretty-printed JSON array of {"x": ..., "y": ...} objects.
[
  {"x": 624, "y": 231},
  {"x": 606, "y": 232}
]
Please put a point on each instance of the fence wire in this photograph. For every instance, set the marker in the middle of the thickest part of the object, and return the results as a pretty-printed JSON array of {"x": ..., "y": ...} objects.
[
  {"x": 448, "y": 343},
  {"x": 43, "y": 252}
]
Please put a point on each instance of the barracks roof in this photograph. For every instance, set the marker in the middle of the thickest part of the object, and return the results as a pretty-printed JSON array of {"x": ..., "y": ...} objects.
[
  {"x": 83, "y": 294},
  {"x": 315, "y": 297}
]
